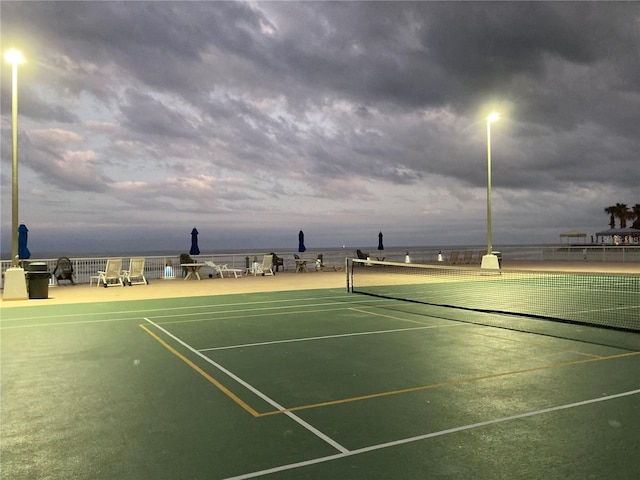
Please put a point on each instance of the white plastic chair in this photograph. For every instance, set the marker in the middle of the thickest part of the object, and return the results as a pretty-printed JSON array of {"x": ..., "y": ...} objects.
[
  {"x": 221, "y": 269},
  {"x": 266, "y": 268},
  {"x": 112, "y": 274},
  {"x": 135, "y": 274}
]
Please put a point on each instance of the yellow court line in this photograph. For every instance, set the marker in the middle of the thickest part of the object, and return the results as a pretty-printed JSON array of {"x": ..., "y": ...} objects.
[
  {"x": 215, "y": 382},
  {"x": 443, "y": 384},
  {"x": 538, "y": 344}
]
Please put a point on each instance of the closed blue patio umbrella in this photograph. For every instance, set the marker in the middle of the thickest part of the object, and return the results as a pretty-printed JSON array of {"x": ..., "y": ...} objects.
[
  {"x": 380, "y": 246},
  {"x": 301, "y": 247},
  {"x": 194, "y": 242},
  {"x": 23, "y": 251}
]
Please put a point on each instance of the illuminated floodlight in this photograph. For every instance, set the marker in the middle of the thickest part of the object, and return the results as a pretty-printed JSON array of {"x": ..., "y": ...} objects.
[{"x": 14, "y": 57}]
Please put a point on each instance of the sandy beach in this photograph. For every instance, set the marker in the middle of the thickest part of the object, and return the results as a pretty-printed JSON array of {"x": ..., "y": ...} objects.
[{"x": 283, "y": 281}]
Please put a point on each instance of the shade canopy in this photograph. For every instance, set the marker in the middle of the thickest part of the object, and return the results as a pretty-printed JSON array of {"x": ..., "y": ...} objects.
[
  {"x": 301, "y": 247},
  {"x": 194, "y": 242},
  {"x": 23, "y": 251},
  {"x": 620, "y": 236},
  {"x": 573, "y": 234},
  {"x": 619, "y": 231}
]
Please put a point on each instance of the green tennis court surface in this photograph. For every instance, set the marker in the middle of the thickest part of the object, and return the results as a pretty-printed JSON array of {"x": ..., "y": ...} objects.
[{"x": 311, "y": 384}]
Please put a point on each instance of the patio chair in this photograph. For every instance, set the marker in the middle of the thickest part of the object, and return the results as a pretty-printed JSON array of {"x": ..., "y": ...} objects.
[
  {"x": 112, "y": 274},
  {"x": 468, "y": 256},
  {"x": 64, "y": 270},
  {"x": 362, "y": 255},
  {"x": 266, "y": 268},
  {"x": 185, "y": 258},
  {"x": 135, "y": 274},
  {"x": 453, "y": 257},
  {"x": 277, "y": 262},
  {"x": 301, "y": 264},
  {"x": 221, "y": 269}
]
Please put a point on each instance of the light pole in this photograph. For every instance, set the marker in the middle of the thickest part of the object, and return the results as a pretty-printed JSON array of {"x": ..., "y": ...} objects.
[
  {"x": 489, "y": 260},
  {"x": 14, "y": 57},
  {"x": 14, "y": 282}
]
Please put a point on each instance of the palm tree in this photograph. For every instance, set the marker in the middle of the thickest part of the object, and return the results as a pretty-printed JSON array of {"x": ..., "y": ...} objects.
[
  {"x": 636, "y": 213},
  {"x": 612, "y": 216},
  {"x": 623, "y": 213}
]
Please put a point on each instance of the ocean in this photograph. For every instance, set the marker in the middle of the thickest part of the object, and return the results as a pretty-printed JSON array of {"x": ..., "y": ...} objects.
[
  {"x": 391, "y": 253},
  {"x": 418, "y": 254}
]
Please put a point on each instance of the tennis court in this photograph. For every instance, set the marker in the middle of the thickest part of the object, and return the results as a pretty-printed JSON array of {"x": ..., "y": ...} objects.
[{"x": 312, "y": 384}]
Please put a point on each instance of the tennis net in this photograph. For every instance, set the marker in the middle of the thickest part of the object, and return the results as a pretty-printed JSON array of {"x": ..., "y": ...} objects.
[{"x": 596, "y": 299}]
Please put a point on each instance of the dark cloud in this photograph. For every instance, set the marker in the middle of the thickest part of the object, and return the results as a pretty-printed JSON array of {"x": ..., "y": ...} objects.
[
  {"x": 61, "y": 165},
  {"x": 145, "y": 115},
  {"x": 313, "y": 106},
  {"x": 32, "y": 105}
]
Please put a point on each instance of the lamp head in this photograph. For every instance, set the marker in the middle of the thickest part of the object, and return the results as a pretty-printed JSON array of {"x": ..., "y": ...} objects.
[
  {"x": 493, "y": 116},
  {"x": 14, "y": 57}
]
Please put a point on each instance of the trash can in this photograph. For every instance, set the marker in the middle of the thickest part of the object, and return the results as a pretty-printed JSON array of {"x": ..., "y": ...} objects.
[
  {"x": 38, "y": 276},
  {"x": 499, "y": 255}
]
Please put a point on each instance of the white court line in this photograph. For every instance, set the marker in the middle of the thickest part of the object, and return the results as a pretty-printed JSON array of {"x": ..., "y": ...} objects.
[
  {"x": 264, "y": 309},
  {"x": 81, "y": 322},
  {"x": 257, "y": 392},
  {"x": 346, "y": 303},
  {"x": 612, "y": 309},
  {"x": 381, "y": 446},
  {"x": 186, "y": 307},
  {"x": 340, "y": 335}
]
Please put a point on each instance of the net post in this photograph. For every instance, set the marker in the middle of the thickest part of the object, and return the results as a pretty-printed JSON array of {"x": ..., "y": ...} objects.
[{"x": 346, "y": 269}]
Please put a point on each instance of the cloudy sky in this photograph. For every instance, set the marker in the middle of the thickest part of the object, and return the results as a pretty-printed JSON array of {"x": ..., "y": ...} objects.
[{"x": 253, "y": 120}]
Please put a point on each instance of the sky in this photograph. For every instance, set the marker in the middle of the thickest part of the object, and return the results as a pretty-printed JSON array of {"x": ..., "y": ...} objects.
[{"x": 253, "y": 120}]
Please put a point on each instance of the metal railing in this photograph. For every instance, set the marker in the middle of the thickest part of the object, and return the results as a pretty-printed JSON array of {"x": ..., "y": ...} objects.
[
  {"x": 594, "y": 253},
  {"x": 156, "y": 266},
  {"x": 166, "y": 267}
]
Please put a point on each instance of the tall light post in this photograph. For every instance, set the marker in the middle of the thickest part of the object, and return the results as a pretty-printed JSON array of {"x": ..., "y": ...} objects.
[
  {"x": 14, "y": 57},
  {"x": 489, "y": 260},
  {"x": 14, "y": 283}
]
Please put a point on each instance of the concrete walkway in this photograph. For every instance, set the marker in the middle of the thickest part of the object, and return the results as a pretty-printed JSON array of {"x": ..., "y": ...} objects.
[{"x": 175, "y": 288}]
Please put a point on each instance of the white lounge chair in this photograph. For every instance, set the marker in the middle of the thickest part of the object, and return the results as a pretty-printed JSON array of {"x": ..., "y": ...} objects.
[
  {"x": 135, "y": 274},
  {"x": 266, "y": 268},
  {"x": 321, "y": 266},
  {"x": 222, "y": 269},
  {"x": 112, "y": 274}
]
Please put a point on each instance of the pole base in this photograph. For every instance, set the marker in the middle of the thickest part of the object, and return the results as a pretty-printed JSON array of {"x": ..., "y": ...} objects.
[
  {"x": 490, "y": 262},
  {"x": 15, "y": 284}
]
